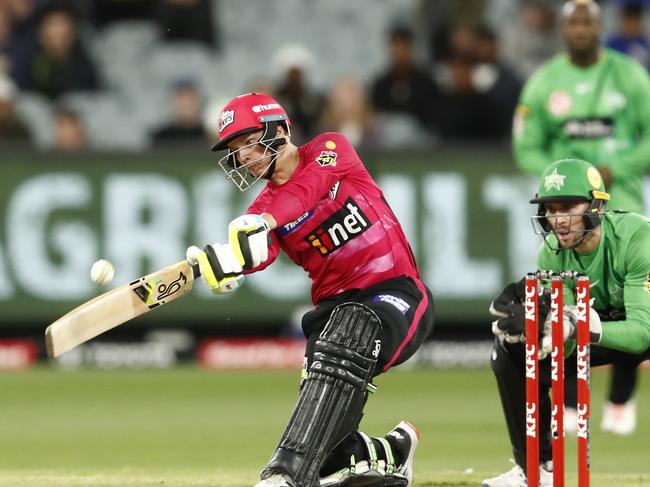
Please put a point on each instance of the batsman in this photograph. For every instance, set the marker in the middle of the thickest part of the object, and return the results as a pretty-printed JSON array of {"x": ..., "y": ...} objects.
[
  {"x": 371, "y": 309},
  {"x": 613, "y": 250}
]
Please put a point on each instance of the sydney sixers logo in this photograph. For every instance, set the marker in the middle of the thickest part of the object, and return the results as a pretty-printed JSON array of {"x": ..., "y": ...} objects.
[
  {"x": 327, "y": 158},
  {"x": 227, "y": 117}
]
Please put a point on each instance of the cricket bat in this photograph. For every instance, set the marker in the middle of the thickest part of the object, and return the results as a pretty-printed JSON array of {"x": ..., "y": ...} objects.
[{"x": 118, "y": 306}]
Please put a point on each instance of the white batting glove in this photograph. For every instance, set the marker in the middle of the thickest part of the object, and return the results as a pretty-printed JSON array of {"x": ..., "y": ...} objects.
[
  {"x": 248, "y": 237},
  {"x": 219, "y": 267}
]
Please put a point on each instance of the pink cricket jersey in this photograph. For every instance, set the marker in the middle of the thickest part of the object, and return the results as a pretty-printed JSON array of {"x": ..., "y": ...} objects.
[{"x": 334, "y": 222}]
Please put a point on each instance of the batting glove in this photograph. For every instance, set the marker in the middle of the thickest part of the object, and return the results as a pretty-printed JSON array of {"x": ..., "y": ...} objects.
[
  {"x": 248, "y": 237},
  {"x": 219, "y": 267}
]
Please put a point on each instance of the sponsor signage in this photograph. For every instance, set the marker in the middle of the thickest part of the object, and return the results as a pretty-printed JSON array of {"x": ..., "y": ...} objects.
[
  {"x": 467, "y": 221},
  {"x": 252, "y": 353}
]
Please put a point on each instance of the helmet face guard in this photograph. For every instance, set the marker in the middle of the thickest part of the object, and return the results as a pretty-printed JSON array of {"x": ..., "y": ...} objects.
[
  {"x": 238, "y": 173},
  {"x": 570, "y": 181},
  {"x": 591, "y": 219},
  {"x": 243, "y": 115}
]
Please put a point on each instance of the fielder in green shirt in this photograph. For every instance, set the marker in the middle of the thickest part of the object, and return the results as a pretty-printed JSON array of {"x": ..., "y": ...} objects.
[
  {"x": 613, "y": 250},
  {"x": 590, "y": 103}
]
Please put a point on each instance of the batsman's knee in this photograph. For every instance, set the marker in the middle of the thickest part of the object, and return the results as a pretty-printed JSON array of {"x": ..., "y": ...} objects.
[{"x": 349, "y": 345}]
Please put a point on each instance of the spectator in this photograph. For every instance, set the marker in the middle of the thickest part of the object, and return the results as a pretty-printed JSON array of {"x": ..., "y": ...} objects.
[
  {"x": 187, "y": 125},
  {"x": 497, "y": 84},
  {"x": 404, "y": 87},
  {"x": 478, "y": 94},
  {"x": 17, "y": 37},
  {"x": 69, "y": 132},
  {"x": 12, "y": 129},
  {"x": 532, "y": 39},
  {"x": 348, "y": 111},
  {"x": 631, "y": 39},
  {"x": 189, "y": 20},
  {"x": 293, "y": 65},
  {"x": 60, "y": 65}
]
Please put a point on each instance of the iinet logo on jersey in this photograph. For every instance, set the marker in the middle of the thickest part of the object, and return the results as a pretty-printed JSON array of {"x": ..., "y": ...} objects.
[{"x": 344, "y": 225}]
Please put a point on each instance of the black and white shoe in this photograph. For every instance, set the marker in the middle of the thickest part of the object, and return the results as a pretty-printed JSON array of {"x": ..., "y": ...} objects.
[
  {"x": 405, "y": 438},
  {"x": 381, "y": 470}
]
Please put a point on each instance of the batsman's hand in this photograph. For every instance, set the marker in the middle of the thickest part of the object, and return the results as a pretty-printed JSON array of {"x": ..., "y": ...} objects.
[
  {"x": 248, "y": 238},
  {"x": 508, "y": 307},
  {"x": 219, "y": 267},
  {"x": 570, "y": 329}
]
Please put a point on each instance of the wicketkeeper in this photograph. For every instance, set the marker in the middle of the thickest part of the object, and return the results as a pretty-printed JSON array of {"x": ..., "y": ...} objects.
[
  {"x": 372, "y": 311},
  {"x": 613, "y": 250},
  {"x": 587, "y": 103}
]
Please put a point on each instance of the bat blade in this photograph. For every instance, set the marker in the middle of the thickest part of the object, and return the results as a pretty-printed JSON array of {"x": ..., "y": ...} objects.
[{"x": 118, "y": 306}]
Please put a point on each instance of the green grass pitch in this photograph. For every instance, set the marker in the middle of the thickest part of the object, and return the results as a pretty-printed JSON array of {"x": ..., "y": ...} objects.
[{"x": 192, "y": 427}]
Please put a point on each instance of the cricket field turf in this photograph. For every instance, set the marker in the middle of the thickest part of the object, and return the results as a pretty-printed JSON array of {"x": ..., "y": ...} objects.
[{"x": 194, "y": 427}]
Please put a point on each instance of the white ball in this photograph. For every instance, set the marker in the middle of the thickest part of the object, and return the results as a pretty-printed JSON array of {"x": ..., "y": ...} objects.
[{"x": 102, "y": 272}]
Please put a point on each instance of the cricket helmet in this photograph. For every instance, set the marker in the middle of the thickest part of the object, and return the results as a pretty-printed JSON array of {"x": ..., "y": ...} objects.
[
  {"x": 246, "y": 114},
  {"x": 572, "y": 181}
]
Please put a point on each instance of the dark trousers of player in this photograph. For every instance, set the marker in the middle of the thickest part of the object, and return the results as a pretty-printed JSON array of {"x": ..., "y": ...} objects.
[
  {"x": 405, "y": 309},
  {"x": 508, "y": 364}
]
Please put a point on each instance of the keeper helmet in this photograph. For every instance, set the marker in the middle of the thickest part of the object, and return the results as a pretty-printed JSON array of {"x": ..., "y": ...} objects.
[
  {"x": 246, "y": 114},
  {"x": 571, "y": 181}
]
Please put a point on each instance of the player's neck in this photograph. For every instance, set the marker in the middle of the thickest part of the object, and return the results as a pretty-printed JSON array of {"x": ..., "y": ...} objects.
[
  {"x": 590, "y": 242},
  {"x": 585, "y": 59},
  {"x": 286, "y": 164}
]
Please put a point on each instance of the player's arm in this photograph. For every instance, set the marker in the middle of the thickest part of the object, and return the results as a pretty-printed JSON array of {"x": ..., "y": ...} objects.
[
  {"x": 250, "y": 248},
  {"x": 634, "y": 162},
  {"x": 529, "y": 133},
  {"x": 633, "y": 334}
]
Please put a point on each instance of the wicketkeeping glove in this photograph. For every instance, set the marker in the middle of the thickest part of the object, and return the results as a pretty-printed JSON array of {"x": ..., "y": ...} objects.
[
  {"x": 569, "y": 328},
  {"x": 508, "y": 307},
  {"x": 219, "y": 267},
  {"x": 248, "y": 237}
]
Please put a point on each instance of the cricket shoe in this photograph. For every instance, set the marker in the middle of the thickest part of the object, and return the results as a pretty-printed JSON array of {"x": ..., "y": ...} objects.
[
  {"x": 619, "y": 419},
  {"x": 401, "y": 440},
  {"x": 405, "y": 438},
  {"x": 516, "y": 477},
  {"x": 276, "y": 480}
]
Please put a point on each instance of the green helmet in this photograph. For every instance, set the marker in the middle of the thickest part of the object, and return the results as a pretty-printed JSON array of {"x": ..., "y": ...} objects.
[{"x": 568, "y": 181}]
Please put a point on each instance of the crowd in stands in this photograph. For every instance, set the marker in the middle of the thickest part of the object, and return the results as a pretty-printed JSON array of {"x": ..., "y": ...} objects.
[{"x": 137, "y": 74}]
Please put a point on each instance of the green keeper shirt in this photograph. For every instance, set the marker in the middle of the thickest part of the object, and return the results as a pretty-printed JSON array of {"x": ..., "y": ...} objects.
[
  {"x": 619, "y": 275},
  {"x": 600, "y": 114}
]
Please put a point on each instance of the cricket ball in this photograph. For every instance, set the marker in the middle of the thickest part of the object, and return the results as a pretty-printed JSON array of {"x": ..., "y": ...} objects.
[{"x": 102, "y": 272}]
